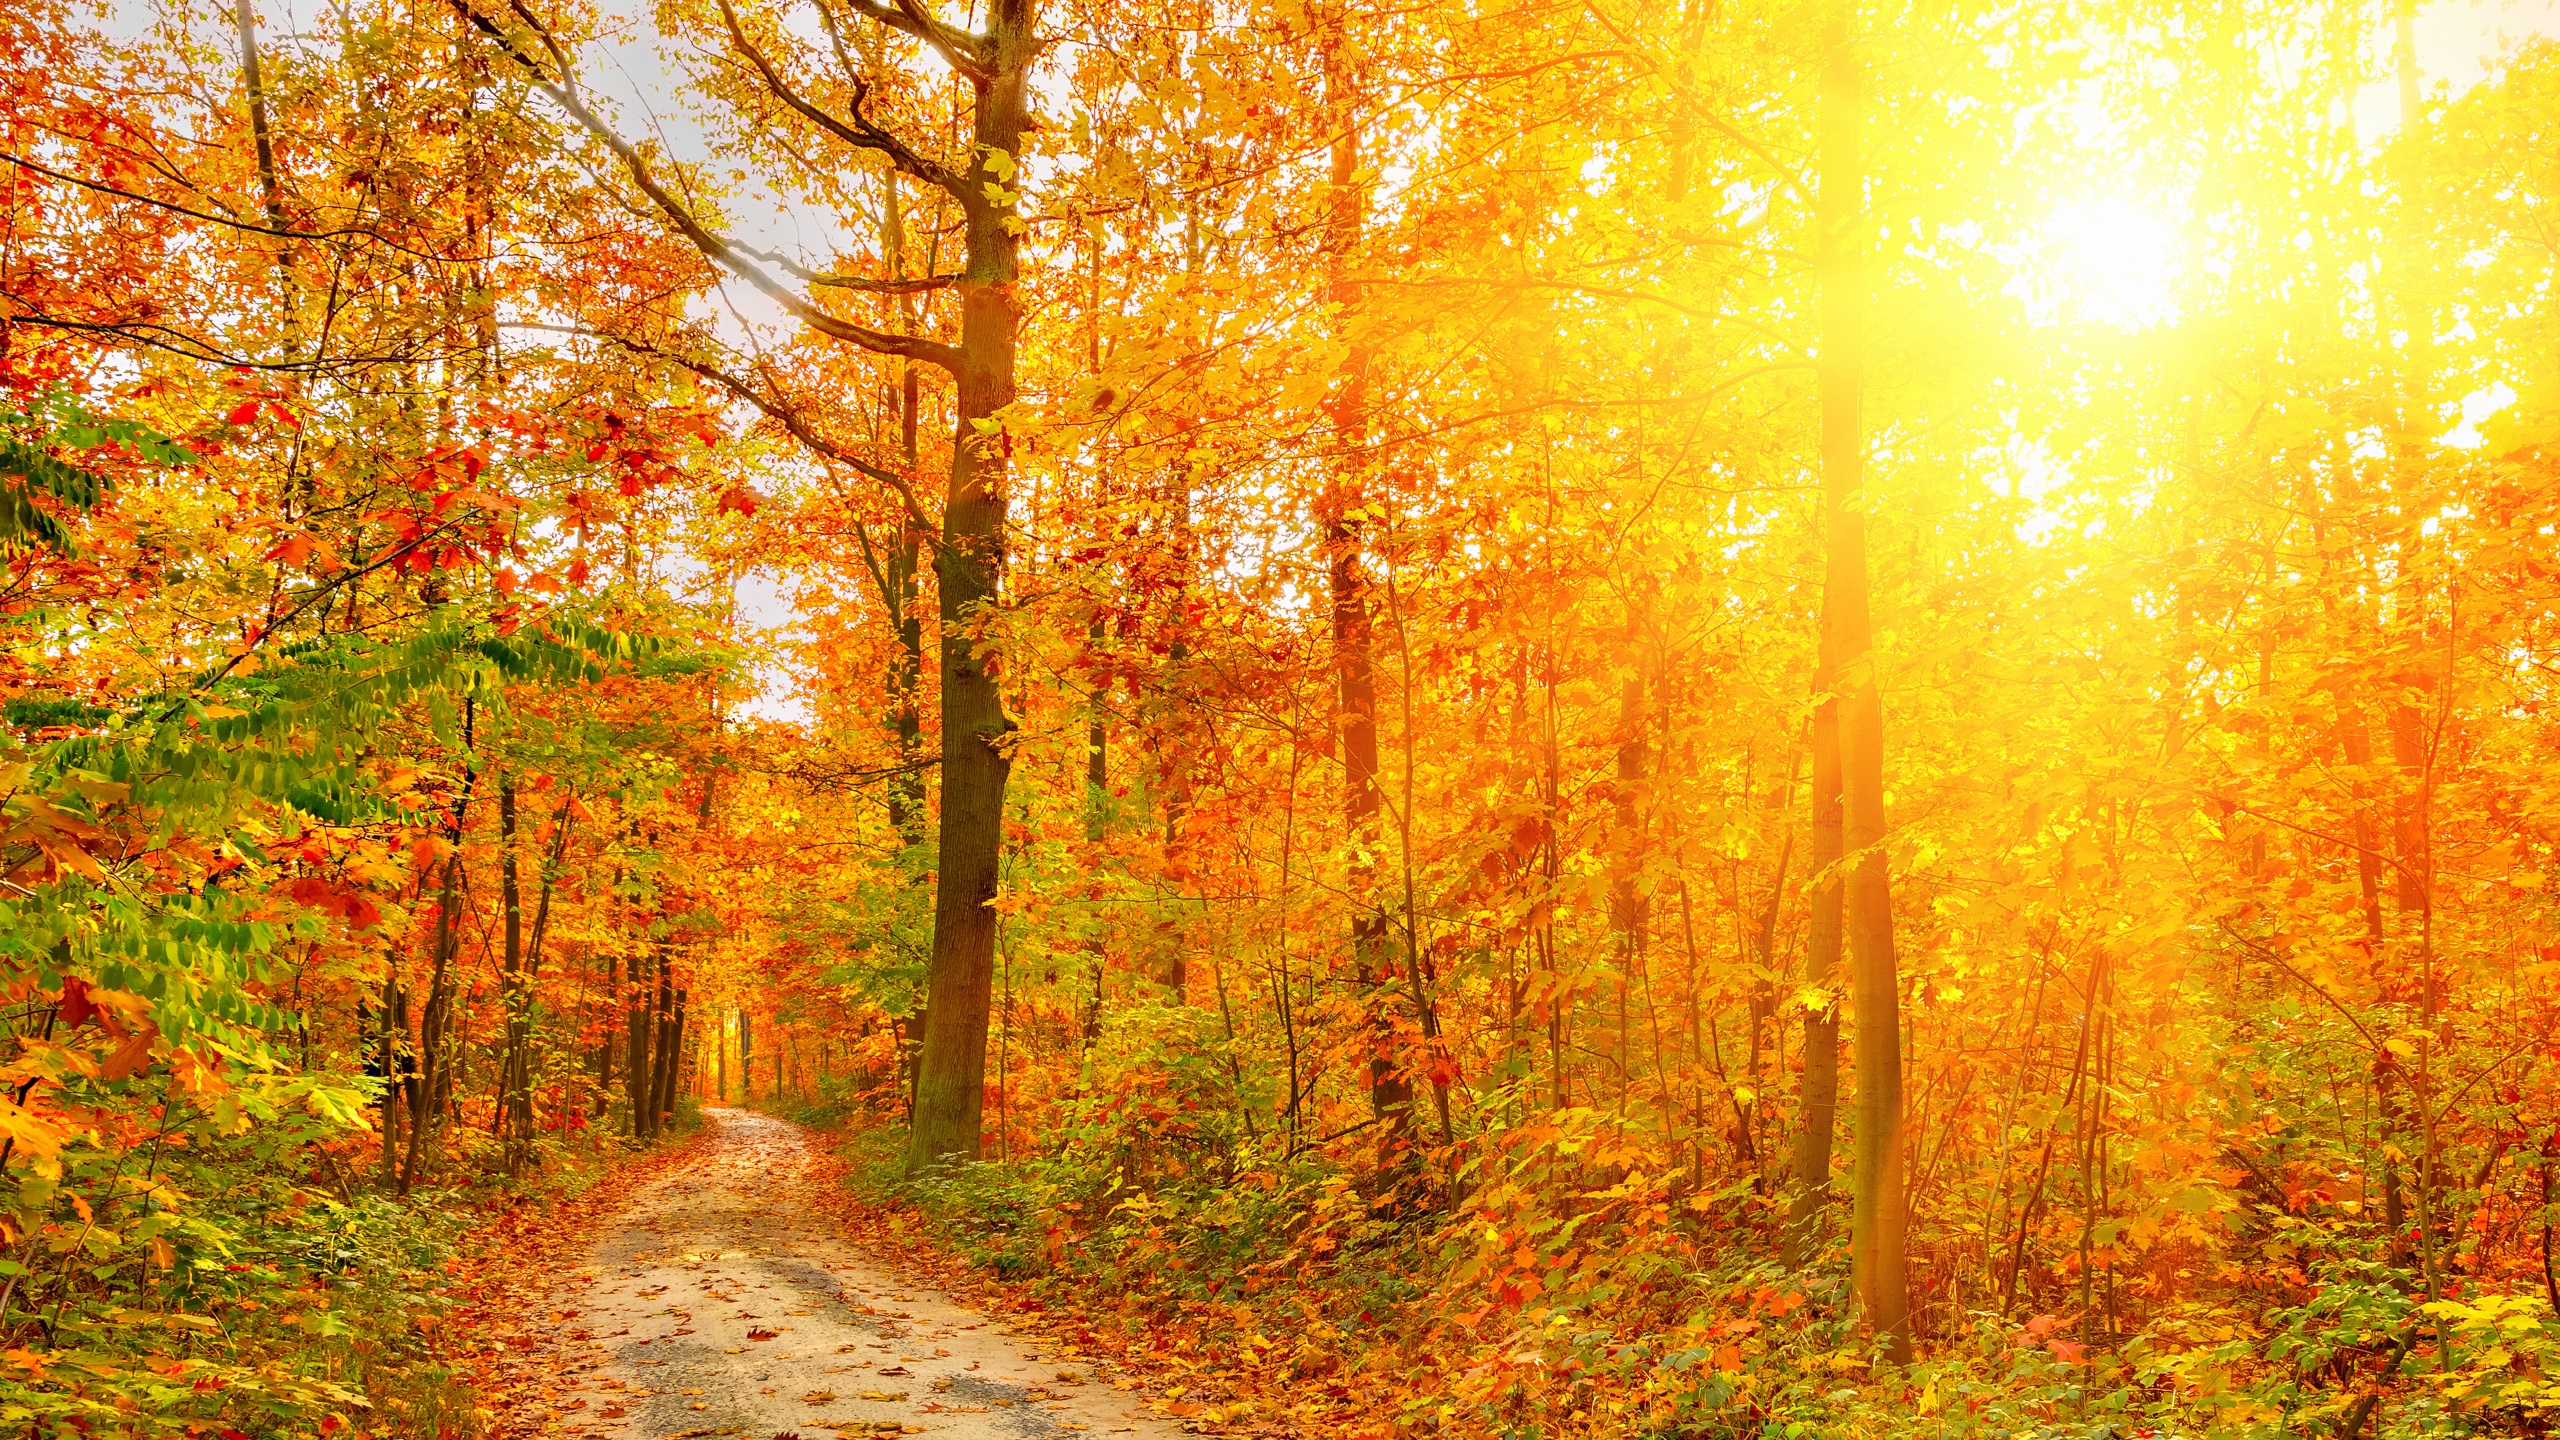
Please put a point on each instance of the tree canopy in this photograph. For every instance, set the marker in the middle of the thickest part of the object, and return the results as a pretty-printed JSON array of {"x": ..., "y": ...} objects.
[{"x": 1701, "y": 719}]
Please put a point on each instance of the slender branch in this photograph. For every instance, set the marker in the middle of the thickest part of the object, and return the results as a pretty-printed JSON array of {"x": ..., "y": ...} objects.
[
  {"x": 853, "y": 128},
  {"x": 190, "y": 347},
  {"x": 103, "y": 188},
  {"x": 405, "y": 547},
  {"x": 782, "y": 414},
  {"x": 1785, "y": 174},
  {"x": 2272, "y": 958},
  {"x": 852, "y": 282},
  {"x": 959, "y": 49},
  {"x": 718, "y": 247}
]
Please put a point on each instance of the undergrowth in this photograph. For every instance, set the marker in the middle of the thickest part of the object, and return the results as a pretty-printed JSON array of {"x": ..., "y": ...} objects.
[{"x": 1535, "y": 1280}]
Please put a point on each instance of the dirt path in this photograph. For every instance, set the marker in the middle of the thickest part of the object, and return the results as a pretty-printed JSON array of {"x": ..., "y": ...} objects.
[{"x": 719, "y": 1303}]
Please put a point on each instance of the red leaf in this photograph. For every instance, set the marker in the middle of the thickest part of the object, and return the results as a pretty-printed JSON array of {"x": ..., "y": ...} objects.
[{"x": 243, "y": 413}]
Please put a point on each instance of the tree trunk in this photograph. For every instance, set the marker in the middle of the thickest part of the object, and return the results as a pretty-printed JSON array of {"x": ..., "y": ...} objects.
[
  {"x": 902, "y": 568},
  {"x": 969, "y": 568},
  {"x": 1347, "y": 582},
  {"x": 1878, "y": 1222},
  {"x": 1818, "y": 1096},
  {"x": 511, "y": 977},
  {"x": 433, "y": 1086},
  {"x": 1627, "y": 908},
  {"x": 636, "y": 1049},
  {"x": 670, "y": 1048},
  {"x": 601, "y": 1067}
]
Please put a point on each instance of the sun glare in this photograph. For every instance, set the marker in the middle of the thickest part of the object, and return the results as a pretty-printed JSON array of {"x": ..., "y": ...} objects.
[{"x": 2109, "y": 261}]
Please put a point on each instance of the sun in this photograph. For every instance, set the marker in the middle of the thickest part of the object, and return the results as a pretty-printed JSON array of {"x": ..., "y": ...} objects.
[{"x": 2110, "y": 260}]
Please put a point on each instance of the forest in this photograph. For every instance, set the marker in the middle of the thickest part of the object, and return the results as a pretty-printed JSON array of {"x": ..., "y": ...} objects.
[{"x": 1579, "y": 718}]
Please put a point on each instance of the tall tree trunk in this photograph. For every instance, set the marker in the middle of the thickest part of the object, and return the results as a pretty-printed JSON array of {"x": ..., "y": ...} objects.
[
  {"x": 511, "y": 979},
  {"x": 516, "y": 1118},
  {"x": 1348, "y": 587},
  {"x": 1878, "y": 1222},
  {"x": 902, "y": 570},
  {"x": 434, "y": 1084},
  {"x": 1173, "y": 736},
  {"x": 642, "y": 1026},
  {"x": 670, "y": 1047},
  {"x": 253, "y": 80},
  {"x": 1627, "y": 907},
  {"x": 602, "y": 1065},
  {"x": 969, "y": 569},
  {"x": 1818, "y": 1096}
]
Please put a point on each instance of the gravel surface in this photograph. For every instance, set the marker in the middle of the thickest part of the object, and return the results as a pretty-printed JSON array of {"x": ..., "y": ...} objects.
[{"x": 719, "y": 1303}]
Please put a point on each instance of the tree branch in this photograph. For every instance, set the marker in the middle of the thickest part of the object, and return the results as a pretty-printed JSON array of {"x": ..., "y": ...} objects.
[
  {"x": 1698, "y": 106},
  {"x": 855, "y": 130},
  {"x": 959, "y": 49},
  {"x": 717, "y": 247},
  {"x": 103, "y": 188},
  {"x": 852, "y": 282},
  {"x": 180, "y": 343},
  {"x": 782, "y": 414}
]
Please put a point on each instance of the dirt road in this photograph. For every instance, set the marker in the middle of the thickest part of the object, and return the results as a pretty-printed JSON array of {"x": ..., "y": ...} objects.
[{"x": 719, "y": 1303}]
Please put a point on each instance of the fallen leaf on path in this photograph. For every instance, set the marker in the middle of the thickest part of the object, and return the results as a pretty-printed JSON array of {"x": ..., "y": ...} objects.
[
  {"x": 882, "y": 1395},
  {"x": 754, "y": 1334},
  {"x": 814, "y": 1397},
  {"x": 885, "y": 1369}
]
